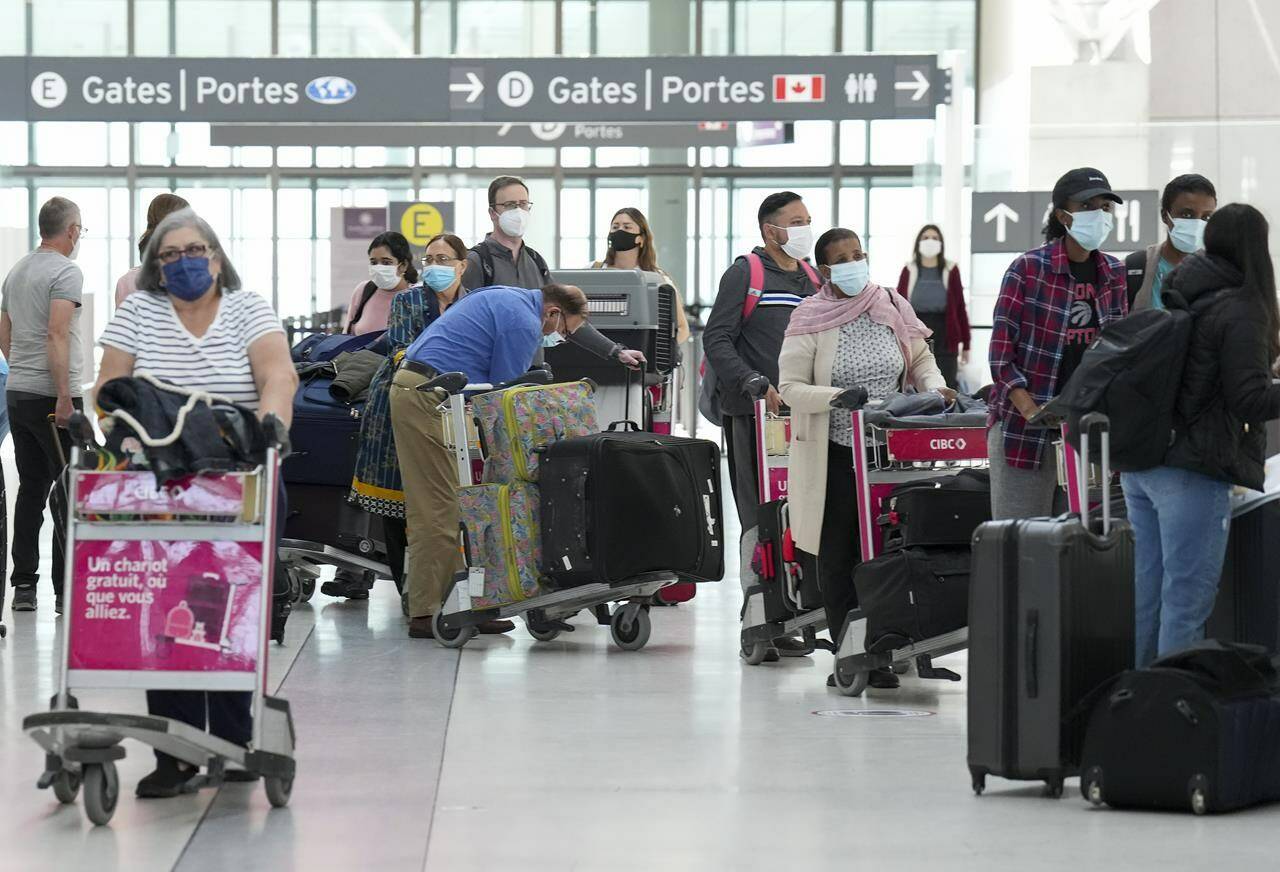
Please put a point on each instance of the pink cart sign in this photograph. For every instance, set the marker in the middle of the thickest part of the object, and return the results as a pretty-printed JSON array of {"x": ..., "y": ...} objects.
[
  {"x": 136, "y": 493},
  {"x": 958, "y": 443},
  {"x": 166, "y": 606}
]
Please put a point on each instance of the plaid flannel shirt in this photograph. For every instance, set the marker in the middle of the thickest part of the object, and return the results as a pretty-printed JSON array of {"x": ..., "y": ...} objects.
[{"x": 1029, "y": 333}]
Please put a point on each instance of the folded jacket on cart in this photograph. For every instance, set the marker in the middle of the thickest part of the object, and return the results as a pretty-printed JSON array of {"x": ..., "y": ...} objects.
[
  {"x": 180, "y": 431},
  {"x": 353, "y": 373}
]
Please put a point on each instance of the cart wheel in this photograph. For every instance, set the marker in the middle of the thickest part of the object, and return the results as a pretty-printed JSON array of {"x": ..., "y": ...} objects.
[
  {"x": 295, "y": 584},
  {"x": 66, "y": 786},
  {"x": 900, "y": 668},
  {"x": 539, "y": 634},
  {"x": 1053, "y": 788},
  {"x": 308, "y": 589},
  {"x": 634, "y": 637},
  {"x": 755, "y": 653},
  {"x": 451, "y": 638},
  {"x": 101, "y": 792},
  {"x": 850, "y": 682},
  {"x": 278, "y": 790}
]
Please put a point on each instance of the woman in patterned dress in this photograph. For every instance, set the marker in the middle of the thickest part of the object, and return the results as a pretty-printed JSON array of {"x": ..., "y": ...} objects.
[
  {"x": 377, "y": 487},
  {"x": 851, "y": 337}
]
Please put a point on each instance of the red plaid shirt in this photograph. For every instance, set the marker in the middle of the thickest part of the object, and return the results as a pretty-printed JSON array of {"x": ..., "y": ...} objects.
[{"x": 1029, "y": 333}]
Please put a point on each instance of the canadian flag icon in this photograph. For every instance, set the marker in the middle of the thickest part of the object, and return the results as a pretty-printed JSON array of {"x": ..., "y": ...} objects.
[{"x": 799, "y": 89}]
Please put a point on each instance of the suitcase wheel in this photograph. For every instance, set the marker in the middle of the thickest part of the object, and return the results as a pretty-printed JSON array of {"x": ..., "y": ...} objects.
[
  {"x": 1198, "y": 793},
  {"x": 1091, "y": 786},
  {"x": 1053, "y": 788},
  {"x": 979, "y": 781},
  {"x": 755, "y": 653},
  {"x": 850, "y": 682}
]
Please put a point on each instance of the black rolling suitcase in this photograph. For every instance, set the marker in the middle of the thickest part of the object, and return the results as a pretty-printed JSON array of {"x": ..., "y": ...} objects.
[
  {"x": 1248, "y": 604},
  {"x": 912, "y": 595},
  {"x": 941, "y": 512},
  {"x": 789, "y": 584},
  {"x": 320, "y": 513},
  {"x": 623, "y": 503},
  {"x": 1051, "y": 619},
  {"x": 1198, "y": 730}
]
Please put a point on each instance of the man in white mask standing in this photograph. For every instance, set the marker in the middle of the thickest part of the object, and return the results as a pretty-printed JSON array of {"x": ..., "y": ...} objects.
[
  {"x": 40, "y": 337},
  {"x": 742, "y": 341},
  {"x": 502, "y": 258}
]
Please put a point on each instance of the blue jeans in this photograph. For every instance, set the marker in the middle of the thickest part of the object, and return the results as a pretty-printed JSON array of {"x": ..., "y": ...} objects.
[{"x": 1180, "y": 523}]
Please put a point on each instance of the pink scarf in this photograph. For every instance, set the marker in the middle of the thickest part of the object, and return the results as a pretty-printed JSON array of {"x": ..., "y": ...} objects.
[{"x": 829, "y": 310}]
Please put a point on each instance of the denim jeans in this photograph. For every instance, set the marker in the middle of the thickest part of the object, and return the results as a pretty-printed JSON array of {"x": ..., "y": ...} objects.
[{"x": 1180, "y": 523}]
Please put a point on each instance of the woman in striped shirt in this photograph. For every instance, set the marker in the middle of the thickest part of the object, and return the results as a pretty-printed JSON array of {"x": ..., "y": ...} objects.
[{"x": 190, "y": 325}]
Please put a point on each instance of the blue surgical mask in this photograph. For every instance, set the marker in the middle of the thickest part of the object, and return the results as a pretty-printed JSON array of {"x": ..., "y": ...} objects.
[
  {"x": 551, "y": 340},
  {"x": 187, "y": 278},
  {"x": 1091, "y": 228},
  {"x": 1187, "y": 234},
  {"x": 851, "y": 277},
  {"x": 438, "y": 278}
]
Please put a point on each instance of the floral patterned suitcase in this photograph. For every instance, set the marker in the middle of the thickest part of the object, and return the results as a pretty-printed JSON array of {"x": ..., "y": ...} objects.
[
  {"x": 504, "y": 537},
  {"x": 518, "y": 421}
]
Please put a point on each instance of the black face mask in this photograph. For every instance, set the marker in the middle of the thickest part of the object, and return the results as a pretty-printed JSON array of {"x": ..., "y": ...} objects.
[{"x": 622, "y": 240}]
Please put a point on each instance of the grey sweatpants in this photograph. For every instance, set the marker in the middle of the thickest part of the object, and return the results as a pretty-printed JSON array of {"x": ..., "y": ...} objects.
[{"x": 1020, "y": 493}]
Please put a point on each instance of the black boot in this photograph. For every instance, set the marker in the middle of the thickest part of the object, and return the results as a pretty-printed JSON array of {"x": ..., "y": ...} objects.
[{"x": 166, "y": 780}]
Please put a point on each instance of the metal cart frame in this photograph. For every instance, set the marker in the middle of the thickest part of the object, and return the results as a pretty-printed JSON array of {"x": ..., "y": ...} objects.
[
  {"x": 81, "y": 747},
  {"x": 455, "y": 624},
  {"x": 758, "y": 633},
  {"x": 900, "y": 455}
]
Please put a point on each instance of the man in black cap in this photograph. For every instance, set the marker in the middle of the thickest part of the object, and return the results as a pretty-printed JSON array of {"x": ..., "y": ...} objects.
[{"x": 1053, "y": 302}]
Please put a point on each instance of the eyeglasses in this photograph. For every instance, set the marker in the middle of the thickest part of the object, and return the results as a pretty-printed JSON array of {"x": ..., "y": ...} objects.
[
  {"x": 84, "y": 231},
  {"x": 195, "y": 249},
  {"x": 513, "y": 204},
  {"x": 438, "y": 260}
]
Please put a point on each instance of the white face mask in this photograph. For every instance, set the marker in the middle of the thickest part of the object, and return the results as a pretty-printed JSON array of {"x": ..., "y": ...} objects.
[
  {"x": 930, "y": 247},
  {"x": 385, "y": 276},
  {"x": 799, "y": 240},
  {"x": 75, "y": 250},
  {"x": 514, "y": 222}
]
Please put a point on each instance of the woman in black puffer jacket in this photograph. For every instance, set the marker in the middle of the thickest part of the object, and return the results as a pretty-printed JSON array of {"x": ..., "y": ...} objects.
[{"x": 1181, "y": 511}]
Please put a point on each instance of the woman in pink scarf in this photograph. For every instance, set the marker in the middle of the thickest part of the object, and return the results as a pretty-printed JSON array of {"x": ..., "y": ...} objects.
[{"x": 850, "y": 337}]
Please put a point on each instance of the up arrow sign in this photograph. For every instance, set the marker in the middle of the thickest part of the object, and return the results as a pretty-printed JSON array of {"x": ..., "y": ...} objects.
[
  {"x": 473, "y": 87},
  {"x": 1002, "y": 214},
  {"x": 920, "y": 85}
]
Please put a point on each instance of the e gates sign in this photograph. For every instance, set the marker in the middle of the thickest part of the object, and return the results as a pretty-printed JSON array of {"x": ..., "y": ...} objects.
[{"x": 529, "y": 90}]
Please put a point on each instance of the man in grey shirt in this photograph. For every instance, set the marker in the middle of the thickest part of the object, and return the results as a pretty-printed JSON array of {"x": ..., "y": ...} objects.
[
  {"x": 503, "y": 258},
  {"x": 40, "y": 337}
]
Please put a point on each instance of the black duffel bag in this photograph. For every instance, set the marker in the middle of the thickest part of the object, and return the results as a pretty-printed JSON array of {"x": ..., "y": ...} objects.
[
  {"x": 912, "y": 595},
  {"x": 1198, "y": 730}
]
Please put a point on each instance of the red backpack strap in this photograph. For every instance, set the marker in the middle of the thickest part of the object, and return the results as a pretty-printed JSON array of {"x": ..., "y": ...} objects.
[
  {"x": 755, "y": 284},
  {"x": 814, "y": 277}
]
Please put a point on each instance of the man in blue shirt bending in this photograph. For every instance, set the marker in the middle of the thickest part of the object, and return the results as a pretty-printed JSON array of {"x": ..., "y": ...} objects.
[{"x": 491, "y": 335}]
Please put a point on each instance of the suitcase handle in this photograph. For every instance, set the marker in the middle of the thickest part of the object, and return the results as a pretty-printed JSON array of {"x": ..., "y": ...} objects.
[
  {"x": 1091, "y": 421},
  {"x": 1032, "y": 657}
]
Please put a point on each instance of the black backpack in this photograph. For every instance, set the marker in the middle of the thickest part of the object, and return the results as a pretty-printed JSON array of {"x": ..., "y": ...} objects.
[
  {"x": 365, "y": 296},
  {"x": 1132, "y": 373},
  {"x": 486, "y": 264}
]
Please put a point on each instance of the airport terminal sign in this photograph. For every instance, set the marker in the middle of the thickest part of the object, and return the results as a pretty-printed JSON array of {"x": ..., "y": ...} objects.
[
  {"x": 461, "y": 133},
  {"x": 530, "y": 90},
  {"x": 1013, "y": 221}
]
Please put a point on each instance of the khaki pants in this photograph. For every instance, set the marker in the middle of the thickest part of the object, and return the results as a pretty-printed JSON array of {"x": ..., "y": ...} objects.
[{"x": 430, "y": 493}]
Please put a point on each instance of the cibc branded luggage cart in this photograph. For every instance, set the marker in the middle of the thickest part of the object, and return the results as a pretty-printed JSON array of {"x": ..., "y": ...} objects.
[
  {"x": 166, "y": 589},
  {"x": 885, "y": 456},
  {"x": 777, "y": 606},
  {"x": 544, "y": 614}
]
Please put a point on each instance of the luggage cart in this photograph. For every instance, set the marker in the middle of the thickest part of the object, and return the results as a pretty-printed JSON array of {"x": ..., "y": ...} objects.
[
  {"x": 455, "y": 624},
  {"x": 899, "y": 455},
  {"x": 772, "y": 446},
  {"x": 166, "y": 589}
]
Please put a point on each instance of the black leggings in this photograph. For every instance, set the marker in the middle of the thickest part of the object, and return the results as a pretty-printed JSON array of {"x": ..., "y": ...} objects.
[{"x": 838, "y": 550}]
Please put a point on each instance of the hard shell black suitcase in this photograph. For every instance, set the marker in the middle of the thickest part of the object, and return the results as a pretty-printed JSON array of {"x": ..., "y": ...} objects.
[
  {"x": 321, "y": 513},
  {"x": 912, "y": 595},
  {"x": 940, "y": 512},
  {"x": 622, "y": 503},
  {"x": 1198, "y": 730},
  {"x": 1248, "y": 604},
  {"x": 1051, "y": 618},
  {"x": 789, "y": 583}
]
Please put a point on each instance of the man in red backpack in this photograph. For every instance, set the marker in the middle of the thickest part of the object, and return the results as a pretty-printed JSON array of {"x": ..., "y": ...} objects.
[{"x": 743, "y": 339}]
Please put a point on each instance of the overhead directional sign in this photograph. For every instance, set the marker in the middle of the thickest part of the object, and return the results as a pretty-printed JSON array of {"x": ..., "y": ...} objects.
[
  {"x": 1014, "y": 221},
  {"x": 527, "y": 135},
  {"x": 536, "y": 90}
]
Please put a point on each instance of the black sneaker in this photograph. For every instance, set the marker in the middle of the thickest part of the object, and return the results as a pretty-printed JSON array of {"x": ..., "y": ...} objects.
[
  {"x": 57, "y": 606},
  {"x": 166, "y": 780},
  {"x": 24, "y": 599}
]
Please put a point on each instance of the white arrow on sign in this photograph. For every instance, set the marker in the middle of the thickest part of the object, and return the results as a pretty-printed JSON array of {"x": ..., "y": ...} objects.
[
  {"x": 473, "y": 85},
  {"x": 1002, "y": 214},
  {"x": 505, "y": 129},
  {"x": 920, "y": 85}
]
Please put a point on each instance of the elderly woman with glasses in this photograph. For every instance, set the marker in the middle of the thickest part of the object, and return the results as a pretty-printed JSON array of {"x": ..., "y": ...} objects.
[
  {"x": 377, "y": 487},
  {"x": 191, "y": 325}
]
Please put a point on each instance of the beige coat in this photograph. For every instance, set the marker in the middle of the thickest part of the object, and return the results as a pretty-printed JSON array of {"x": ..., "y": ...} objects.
[{"x": 805, "y": 384}]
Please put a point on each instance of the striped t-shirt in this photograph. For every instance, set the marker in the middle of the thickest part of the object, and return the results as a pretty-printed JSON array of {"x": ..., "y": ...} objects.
[{"x": 147, "y": 327}]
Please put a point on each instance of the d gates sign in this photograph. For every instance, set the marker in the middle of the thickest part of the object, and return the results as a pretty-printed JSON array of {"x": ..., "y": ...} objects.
[{"x": 526, "y": 90}]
